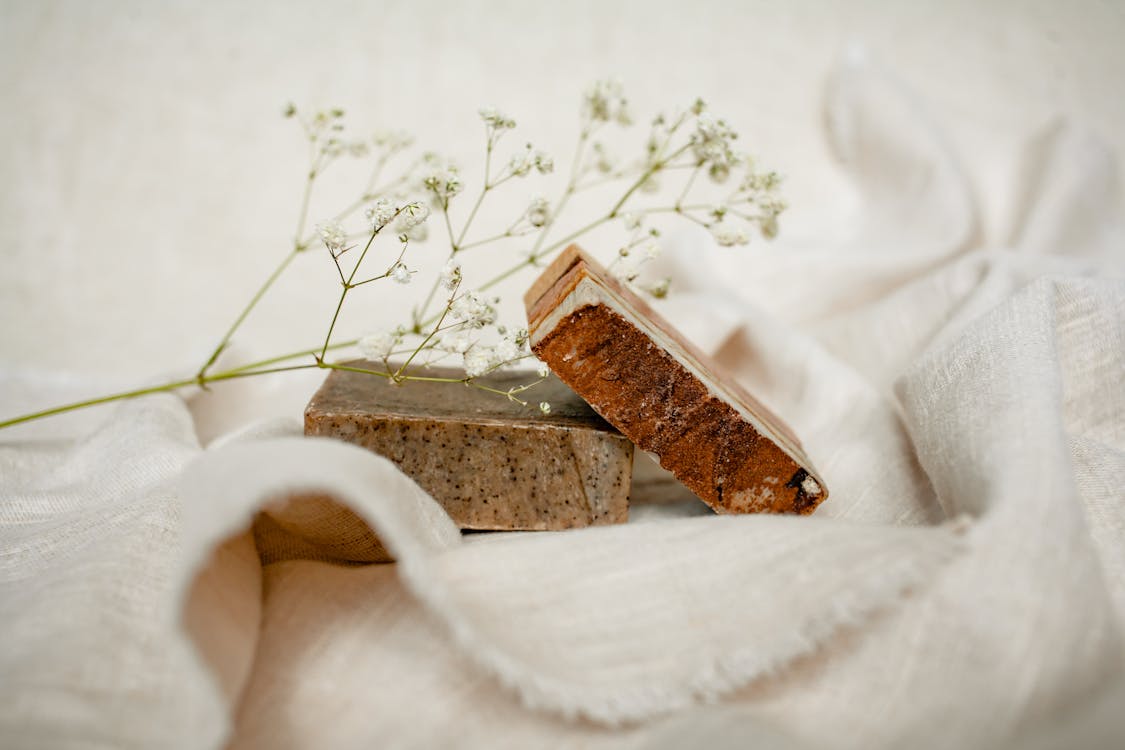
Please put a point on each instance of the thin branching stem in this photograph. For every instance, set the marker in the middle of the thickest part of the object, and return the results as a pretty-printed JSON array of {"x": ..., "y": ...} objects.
[
  {"x": 169, "y": 387},
  {"x": 347, "y": 285}
]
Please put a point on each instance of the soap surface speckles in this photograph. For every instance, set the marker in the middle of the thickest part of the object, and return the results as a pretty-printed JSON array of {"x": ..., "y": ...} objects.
[{"x": 491, "y": 463}]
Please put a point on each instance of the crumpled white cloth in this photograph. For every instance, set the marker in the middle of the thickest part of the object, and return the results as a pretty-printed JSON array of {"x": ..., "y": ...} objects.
[{"x": 963, "y": 586}]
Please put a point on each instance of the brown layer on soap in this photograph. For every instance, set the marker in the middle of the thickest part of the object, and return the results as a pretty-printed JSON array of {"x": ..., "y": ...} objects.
[
  {"x": 564, "y": 274},
  {"x": 666, "y": 410},
  {"x": 665, "y": 394}
]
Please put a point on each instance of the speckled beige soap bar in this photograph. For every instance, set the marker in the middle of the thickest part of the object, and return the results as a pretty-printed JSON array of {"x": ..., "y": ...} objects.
[{"x": 491, "y": 463}]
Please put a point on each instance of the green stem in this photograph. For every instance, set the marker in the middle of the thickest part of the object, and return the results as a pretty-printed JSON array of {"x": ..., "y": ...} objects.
[
  {"x": 164, "y": 388},
  {"x": 480, "y": 198},
  {"x": 298, "y": 246},
  {"x": 383, "y": 374},
  {"x": 571, "y": 183},
  {"x": 487, "y": 240},
  {"x": 687, "y": 185},
  {"x": 332, "y": 325},
  {"x": 656, "y": 167},
  {"x": 225, "y": 341},
  {"x": 348, "y": 284},
  {"x": 437, "y": 327},
  {"x": 293, "y": 355}
]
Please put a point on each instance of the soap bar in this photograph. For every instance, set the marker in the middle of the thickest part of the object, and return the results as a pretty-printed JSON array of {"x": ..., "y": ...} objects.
[
  {"x": 490, "y": 462},
  {"x": 665, "y": 395}
]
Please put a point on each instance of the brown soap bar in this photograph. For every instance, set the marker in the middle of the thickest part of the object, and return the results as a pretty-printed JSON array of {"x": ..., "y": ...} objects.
[
  {"x": 490, "y": 462},
  {"x": 668, "y": 397}
]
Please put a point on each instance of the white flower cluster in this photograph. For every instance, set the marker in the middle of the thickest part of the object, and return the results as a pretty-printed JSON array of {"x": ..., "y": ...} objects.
[
  {"x": 455, "y": 343},
  {"x": 605, "y": 102},
  {"x": 333, "y": 236},
  {"x": 442, "y": 179},
  {"x": 538, "y": 212},
  {"x": 479, "y": 359},
  {"x": 380, "y": 213},
  {"x": 729, "y": 236},
  {"x": 325, "y": 129},
  {"x": 760, "y": 182},
  {"x": 711, "y": 144},
  {"x": 495, "y": 120},
  {"x": 379, "y": 344},
  {"x": 411, "y": 217},
  {"x": 400, "y": 273},
  {"x": 660, "y": 288},
  {"x": 759, "y": 189},
  {"x": 451, "y": 274},
  {"x": 473, "y": 310},
  {"x": 627, "y": 266},
  {"x": 411, "y": 223},
  {"x": 522, "y": 163}
]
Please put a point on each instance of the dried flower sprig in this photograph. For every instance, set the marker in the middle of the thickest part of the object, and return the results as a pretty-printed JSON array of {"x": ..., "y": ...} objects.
[{"x": 462, "y": 322}]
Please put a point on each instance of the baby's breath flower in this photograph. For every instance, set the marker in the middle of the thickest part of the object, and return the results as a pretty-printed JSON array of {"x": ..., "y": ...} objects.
[
  {"x": 729, "y": 236},
  {"x": 605, "y": 101},
  {"x": 539, "y": 212},
  {"x": 495, "y": 120},
  {"x": 443, "y": 180},
  {"x": 333, "y": 236},
  {"x": 417, "y": 233},
  {"x": 660, "y": 288},
  {"x": 711, "y": 144},
  {"x": 522, "y": 163},
  {"x": 719, "y": 172},
  {"x": 771, "y": 206},
  {"x": 477, "y": 361},
  {"x": 769, "y": 227},
  {"x": 455, "y": 343},
  {"x": 378, "y": 345},
  {"x": 451, "y": 274},
  {"x": 544, "y": 407},
  {"x": 541, "y": 369},
  {"x": 544, "y": 164},
  {"x": 760, "y": 182},
  {"x": 472, "y": 310},
  {"x": 632, "y": 221},
  {"x": 512, "y": 346},
  {"x": 412, "y": 215},
  {"x": 624, "y": 270},
  {"x": 380, "y": 212},
  {"x": 400, "y": 273}
]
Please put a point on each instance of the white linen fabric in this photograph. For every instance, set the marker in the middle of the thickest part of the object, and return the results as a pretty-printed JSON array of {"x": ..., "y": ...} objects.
[{"x": 964, "y": 585}]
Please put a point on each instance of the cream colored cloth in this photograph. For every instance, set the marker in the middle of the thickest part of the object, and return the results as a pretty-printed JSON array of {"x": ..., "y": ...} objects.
[{"x": 963, "y": 586}]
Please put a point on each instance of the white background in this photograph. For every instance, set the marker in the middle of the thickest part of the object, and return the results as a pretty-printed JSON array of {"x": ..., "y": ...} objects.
[{"x": 149, "y": 182}]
